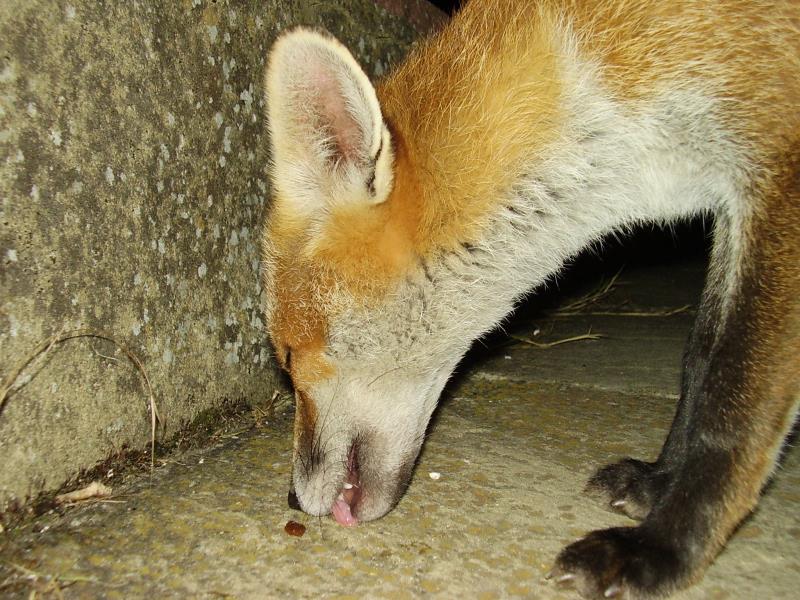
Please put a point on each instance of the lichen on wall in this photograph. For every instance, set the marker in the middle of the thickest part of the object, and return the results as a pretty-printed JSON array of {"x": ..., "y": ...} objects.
[{"x": 132, "y": 185}]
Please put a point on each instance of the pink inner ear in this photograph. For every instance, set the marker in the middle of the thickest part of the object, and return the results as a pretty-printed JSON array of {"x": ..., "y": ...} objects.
[{"x": 331, "y": 106}]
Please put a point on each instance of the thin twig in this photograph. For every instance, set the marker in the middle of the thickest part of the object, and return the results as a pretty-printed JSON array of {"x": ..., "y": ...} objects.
[
  {"x": 101, "y": 355},
  {"x": 644, "y": 313},
  {"x": 223, "y": 436},
  {"x": 592, "y": 297},
  {"x": 44, "y": 348},
  {"x": 546, "y": 345},
  {"x": 41, "y": 350}
]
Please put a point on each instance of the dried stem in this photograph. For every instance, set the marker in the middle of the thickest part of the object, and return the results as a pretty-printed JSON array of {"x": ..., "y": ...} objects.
[
  {"x": 577, "y": 306},
  {"x": 10, "y": 385},
  {"x": 633, "y": 313},
  {"x": 546, "y": 345}
]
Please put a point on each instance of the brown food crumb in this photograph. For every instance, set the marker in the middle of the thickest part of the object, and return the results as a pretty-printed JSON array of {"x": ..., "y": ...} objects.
[{"x": 294, "y": 528}]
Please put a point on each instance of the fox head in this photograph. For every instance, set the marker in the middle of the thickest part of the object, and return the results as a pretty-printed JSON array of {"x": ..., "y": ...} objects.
[{"x": 367, "y": 317}]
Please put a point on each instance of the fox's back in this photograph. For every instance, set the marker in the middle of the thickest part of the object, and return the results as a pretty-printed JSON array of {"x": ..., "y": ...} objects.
[
  {"x": 746, "y": 54},
  {"x": 748, "y": 50},
  {"x": 712, "y": 88}
]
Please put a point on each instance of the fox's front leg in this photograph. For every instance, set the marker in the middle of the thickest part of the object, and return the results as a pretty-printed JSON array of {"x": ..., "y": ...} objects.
[
  {"x": 739, "y": 400},
  {"x": 633, "y": 486}
]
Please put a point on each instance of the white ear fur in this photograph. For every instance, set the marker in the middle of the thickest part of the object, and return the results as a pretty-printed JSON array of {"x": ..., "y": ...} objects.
[{"x": 329, "y": 142}]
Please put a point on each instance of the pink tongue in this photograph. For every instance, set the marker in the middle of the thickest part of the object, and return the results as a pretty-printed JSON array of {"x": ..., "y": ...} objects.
[{"x": 342, "y": 514}]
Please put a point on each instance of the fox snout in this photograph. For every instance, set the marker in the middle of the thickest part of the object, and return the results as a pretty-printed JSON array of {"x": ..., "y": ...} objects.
[
  {"x": 351, "y": 477},
  {"x": 356, "y": 440}
]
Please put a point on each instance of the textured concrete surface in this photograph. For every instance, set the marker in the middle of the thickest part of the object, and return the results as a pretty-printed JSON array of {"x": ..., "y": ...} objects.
[
  {"x": 132, "y": 185},
  {"x": 519, "y": 432}
]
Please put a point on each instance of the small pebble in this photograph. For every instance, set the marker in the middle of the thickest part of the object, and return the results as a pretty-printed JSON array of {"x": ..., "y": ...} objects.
[{"x": 434, "y": 475}]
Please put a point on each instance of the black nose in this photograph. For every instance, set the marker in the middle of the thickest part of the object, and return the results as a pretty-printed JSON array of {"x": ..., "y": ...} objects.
[{"x": 291, "y": 499}]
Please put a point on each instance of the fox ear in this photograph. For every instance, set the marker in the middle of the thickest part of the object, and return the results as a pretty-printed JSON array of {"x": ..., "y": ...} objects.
[{"x": 329, "y": 142}]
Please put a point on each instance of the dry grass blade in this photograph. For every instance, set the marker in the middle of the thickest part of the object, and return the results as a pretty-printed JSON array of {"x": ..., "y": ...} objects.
[
  {"x": 218, "y": 434},
  {"x": 10, "y": 385},
  {"x": 546, "y": 345},
  {"x": 578, "y": 306},
  {"x": 631, "y": 313},
  {"x": 262, "y": 414}
]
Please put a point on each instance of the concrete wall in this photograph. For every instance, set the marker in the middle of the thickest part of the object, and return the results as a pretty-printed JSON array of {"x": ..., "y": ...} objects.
[{"x": 132, "y": 155}]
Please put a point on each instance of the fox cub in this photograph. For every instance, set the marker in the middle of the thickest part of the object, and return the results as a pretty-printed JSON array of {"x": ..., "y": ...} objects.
[{"x": 408, "y": 219}]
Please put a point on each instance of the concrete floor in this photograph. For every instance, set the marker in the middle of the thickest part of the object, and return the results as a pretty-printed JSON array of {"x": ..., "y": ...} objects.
[{"x": 518, "y": 433}]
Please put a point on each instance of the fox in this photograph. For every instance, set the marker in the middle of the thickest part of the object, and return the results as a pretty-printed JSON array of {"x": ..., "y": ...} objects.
[{"x": 410, "y": 216}]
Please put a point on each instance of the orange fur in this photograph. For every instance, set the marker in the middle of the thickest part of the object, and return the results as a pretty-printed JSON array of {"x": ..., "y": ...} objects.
[
  {"x": 371, "y": 246},
  {"x": 646, "y": 46},
  {"x": 471, "y": 117},
  {"x": 465, "y": 122},
  {"x": 298, "y": 323}
]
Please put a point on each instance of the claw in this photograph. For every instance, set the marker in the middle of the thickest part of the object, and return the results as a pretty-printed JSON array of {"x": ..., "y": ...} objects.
[
  {"x": 618, "y": 503},
  {"x": 554, "y": 572},
  {"x": 612, "y": 591}
]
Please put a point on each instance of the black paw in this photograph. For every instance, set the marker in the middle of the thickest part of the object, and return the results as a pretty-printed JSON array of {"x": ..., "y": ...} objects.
[
  {"x": 623, "y": 562},
  {"x": 629, "y": 486}
]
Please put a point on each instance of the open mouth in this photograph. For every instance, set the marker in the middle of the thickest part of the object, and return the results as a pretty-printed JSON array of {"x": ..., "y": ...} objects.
[{"x": 351, "y": 492}]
